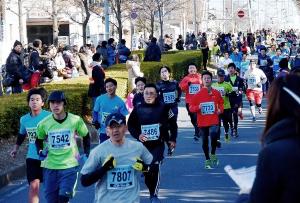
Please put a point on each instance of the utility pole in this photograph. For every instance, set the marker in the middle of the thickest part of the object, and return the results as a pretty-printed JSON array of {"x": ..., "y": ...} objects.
[
  {"x": 250, "y": 16},
  {"x": 106, "y": 12}
]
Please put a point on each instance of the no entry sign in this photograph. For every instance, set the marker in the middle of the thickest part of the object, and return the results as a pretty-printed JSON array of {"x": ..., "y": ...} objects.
[{"x": 241, "y": 13}]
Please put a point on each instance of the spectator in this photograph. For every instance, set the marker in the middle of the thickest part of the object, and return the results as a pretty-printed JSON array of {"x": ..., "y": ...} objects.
[
  {"x": 180, "y": 43},
  {"x": 204, "y": 48},
  {"x": 153, "y": 52},
  {"x": 14, "y": 66},
  {"x": 68, "y": 57},
  {"x": 34, "y": 59},
  {"x": 275, "y": 181},
  {"x": 96, "y": 87},
  {"x": 134, "y": 71},
  {"x": 123, "y": 52},
  {"x": 111, "y": 52},
  {"x": 84, "y": 60},
  {"x": 102, "y": 50}
]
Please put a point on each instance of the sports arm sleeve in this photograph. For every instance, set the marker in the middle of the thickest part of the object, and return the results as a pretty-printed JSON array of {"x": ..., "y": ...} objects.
[
  {"x": 91, "y": 178},
  {"x": 20, "y": 139},
  {"x": 86, "y": 144}
]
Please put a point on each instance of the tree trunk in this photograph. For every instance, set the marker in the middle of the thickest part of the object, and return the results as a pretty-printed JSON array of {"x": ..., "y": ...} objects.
[
  {"x": 20, "y": 15},
  {"x": 119, "y": 19},
  {"x": 152, "y": 23},
  {"x": 86, "y": 20},
  {"x": 55, "y": 23},
  {"x": 161, "y": 22}
]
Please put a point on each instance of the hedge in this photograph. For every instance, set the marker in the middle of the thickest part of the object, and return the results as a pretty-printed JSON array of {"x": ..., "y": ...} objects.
[{"x": 14, "y": 106}]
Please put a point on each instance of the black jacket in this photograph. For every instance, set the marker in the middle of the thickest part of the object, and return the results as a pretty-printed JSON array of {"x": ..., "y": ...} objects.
[
  {"x": 148, "y": 114},
  {"x": 278, "y": 166},
  {"x": 34, "y": 60},
  {"x": 138, "y": 99},
  {"x": 97, "y": 88},
  {"x": 14, "y": 66},
  {"x": 152, "y": 53},
  {"x": 236, "y": 97}
]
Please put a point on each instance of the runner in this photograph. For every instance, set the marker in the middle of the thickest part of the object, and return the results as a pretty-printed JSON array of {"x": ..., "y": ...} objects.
[
  {"x": 276, "y": 59},
  {"x": 265, "y": 64},
  {"x": 149, "y": 124},
  {"x": 236, "y": 96},
  {"x": 225, "y": 89},
  {"x": 244, "y": 65},
  {"x": 191, "y": 85},
  {"x": 255, "y": 78},
  {"x": 61, "y": 153},
  {"x": 169, "y": 93},
  {"x": 106, "y": 104},
  {"x": 138, "y": 98},
  {"x": 224, "y": 61},
  {"x": 28, "y": 123},
  {"x": 208, "y": 104},
  {"x": 111, "y": 165}
]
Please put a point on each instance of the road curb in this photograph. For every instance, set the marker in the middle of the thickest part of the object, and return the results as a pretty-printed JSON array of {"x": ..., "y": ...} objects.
[{"x": 14, "y": 174}]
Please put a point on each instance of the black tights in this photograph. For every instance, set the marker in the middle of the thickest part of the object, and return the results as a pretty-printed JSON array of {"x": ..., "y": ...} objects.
[
  {"x": 152, "y": 179},
  {"x": 226, "y": 117},
  {"x": 211, "y": 131},
  {"x": 193, "y": 117}
]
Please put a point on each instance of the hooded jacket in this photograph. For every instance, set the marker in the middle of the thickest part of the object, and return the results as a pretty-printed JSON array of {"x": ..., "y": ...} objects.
[{"x": 278, "y": 166}]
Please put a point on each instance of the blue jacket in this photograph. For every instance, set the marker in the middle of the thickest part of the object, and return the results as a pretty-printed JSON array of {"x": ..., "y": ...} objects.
[{"x": 152, "y": 53}]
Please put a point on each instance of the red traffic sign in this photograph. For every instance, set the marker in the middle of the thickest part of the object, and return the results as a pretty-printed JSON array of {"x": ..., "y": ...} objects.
[{"x": 241, "y": 13}]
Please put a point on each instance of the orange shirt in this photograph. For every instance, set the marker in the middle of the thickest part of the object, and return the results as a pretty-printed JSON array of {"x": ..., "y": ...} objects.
[
  {"x": 193, "y": 88},
  {"x": 206, "y": 106}
]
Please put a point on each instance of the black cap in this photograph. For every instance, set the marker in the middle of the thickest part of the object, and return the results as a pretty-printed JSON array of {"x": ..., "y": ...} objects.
[
  {"x": 57, "y": 95},
  {"x": 17, "y": 43},
  {"x": 115, "y": 117},
  {"x": 221, "y": 73}
]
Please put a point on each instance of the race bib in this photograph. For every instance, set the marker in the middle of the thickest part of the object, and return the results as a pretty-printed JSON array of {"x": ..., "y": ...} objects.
[
  {"x": 120, "y": 178},
  {"x": 169, "y": 97},
  {"x": 103, "y": 117},
  {"x": 151, "y": 131},
  {"x": 31, "y": 133},
  {"x": 221, "y": 90},
  {"x": 252, "y": 81},
  {"x": 207, "y": 108},
  {"x": 276, "y": 62},
  {"x": 263, "y": 62},
  {"x": 59, "y": 139},
  {"x": 194, "y": 88}
]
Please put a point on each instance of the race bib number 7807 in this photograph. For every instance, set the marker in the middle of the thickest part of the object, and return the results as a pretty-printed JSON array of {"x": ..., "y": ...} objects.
[{"x": 120, "y": 178}]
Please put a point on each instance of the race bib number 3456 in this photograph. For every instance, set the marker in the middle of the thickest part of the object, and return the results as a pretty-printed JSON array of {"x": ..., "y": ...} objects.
[
  {"x": 59, "y": 139},
  {"x": 120, "y": 178}
]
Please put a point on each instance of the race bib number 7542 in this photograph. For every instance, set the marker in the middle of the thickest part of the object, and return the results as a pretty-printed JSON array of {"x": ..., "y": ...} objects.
[{"x": 59, "y": 139}]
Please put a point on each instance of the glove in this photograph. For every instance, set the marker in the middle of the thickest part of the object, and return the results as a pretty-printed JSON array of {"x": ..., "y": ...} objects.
[
  {"x": 189, "y": 83},
  {"x": 43, "y": 154},
  {"x": 139, "y": 165},
  {"x": 109, "y": 163},
  {"x": 96, "y": 124}
]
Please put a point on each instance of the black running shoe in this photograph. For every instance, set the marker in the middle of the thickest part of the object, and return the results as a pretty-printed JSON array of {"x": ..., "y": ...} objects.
[{"x": 218, "y": 144}]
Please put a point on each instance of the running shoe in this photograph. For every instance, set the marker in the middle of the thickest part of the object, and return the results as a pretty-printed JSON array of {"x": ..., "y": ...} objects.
[
  {"x": 207, "y": 164},
  {"x": 154, "y": 199},
  {"x": 196, "y": 138},
  {"x": 227, "y": 138},
  {"x": 214, "y": 160},
  {"x": 260, "y": 110},
  {"x": 253, "y": 119},
  {"x": 171, "y": 151},
  {"x": 218, "y": 144},
  {"x": 235, "y": 134}
]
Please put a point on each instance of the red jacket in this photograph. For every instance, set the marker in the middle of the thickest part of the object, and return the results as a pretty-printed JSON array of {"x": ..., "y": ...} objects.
[
  {"x": 206, "y": 106},
  {"x": 194, "y": 79}
]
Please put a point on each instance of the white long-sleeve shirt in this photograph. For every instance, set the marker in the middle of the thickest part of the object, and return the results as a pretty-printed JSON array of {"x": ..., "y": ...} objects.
[{"x": 255, "y": 78}]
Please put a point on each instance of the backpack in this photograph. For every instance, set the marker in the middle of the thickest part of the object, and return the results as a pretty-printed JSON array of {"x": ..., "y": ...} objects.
[{"x": 7, "y": 79}]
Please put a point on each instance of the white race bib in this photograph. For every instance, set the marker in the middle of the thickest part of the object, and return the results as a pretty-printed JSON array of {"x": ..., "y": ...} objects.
[
  {"x": 120, "y": 178},
  {"x": 31, "y": 133},
  {"x": 263, "y": 62},
  {"x": 252, "y": 81},
  {"x": 151, "y": 131},
  {"x": 194, "y": 88},
  {"x": 104, "y": 116},
  {"x": 59, "y": 139},
  {"x": 169, "y": 97},
  {"x": 221, "y": 90},
  {"x": 207, "y": 108}
]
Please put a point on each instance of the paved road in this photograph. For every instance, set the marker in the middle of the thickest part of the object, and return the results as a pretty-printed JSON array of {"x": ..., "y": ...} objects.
[{"x": 183, "y": 177}]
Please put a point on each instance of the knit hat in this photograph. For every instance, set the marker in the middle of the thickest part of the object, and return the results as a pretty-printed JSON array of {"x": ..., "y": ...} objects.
[{"x": 17, "y": 43}]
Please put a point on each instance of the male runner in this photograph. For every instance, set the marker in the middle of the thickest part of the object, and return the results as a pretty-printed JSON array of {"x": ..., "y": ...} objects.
[
  {"x": 208, "y": 104},
  {"x": 61, "y": 155},
  {"x": 106, "y": 104},
  {"x": 226, "y": 116},
  {"x": 169, "y": 93},
  {"x": 112, "y": 165},
  {"x": 148, "y": 123},
  {"x": 255, "y": 78},
  {"x": 138, "y": 98},
  {"x": 235, "y": 97},
  {"x": 191, "y": 85},
  {"x": 28, "y": 123}
]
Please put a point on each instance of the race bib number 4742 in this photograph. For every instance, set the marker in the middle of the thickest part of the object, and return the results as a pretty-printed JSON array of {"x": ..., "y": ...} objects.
[
  {"x": 120, "y": 178},
  {"x": 59, "y": 139}
]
